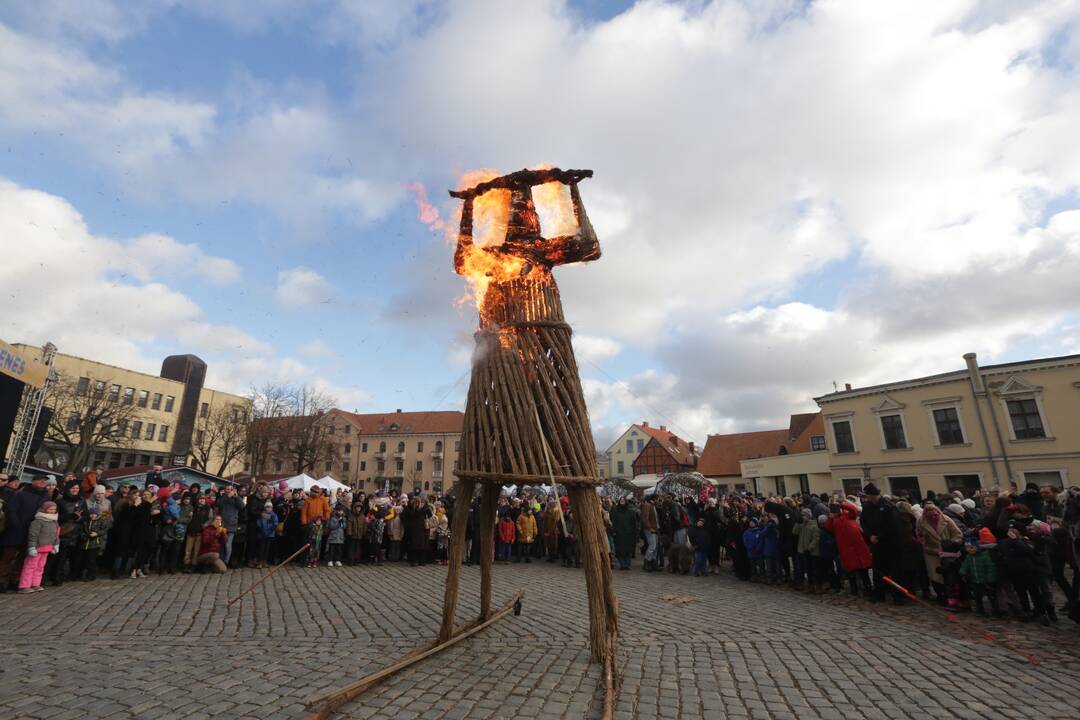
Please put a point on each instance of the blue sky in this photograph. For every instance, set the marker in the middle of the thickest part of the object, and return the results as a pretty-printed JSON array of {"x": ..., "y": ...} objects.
[{"x": 787, "y": 193}]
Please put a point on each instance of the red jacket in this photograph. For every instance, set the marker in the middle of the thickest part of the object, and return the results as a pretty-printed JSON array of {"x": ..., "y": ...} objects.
[
  {"x": 507, "y": 531},
  {"x": 213, "y": 540},
  {"x": 854, "y": 552}
]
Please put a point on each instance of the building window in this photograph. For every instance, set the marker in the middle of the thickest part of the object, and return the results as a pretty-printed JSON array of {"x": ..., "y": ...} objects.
[
  {"x": 277, "y": 466},
  {"x": 121, "y": 429},
  {"x": 845, "y": 441},
  {"x": 155, "y": 404},
  {"x": 1041, "y": 478},
  {"x": 640, "y": 444},
  {"x": 399, "y": 466},
  {"x": 892, "y": 427},
  {"x": 967, "y": 484},
  {"x": 114, "y": 393},
  {"x": 817, "y": 442},
  {"x": 129, "y": 460},
  {"x": 852, "y": 486},
  {"x": 345, "y": 466},
  {"x": 144, "y": 398},
  {"x": 382, "y": 446},
  {"x": 401, "y": 447},
  {"x": 438, "y": 446},
  {"x": 348, "y": 448},
  {"x": 419, "y": 465},
  {"x": 363, "y": 447},
  {"x": 906, "y": 487},
  {"x": 99, "y": 388},
  {"x": 150, "y": 428},
  {"x": 204, "y": 410},
  {"x": 436, "y": 467},
  {"x": 804, "y": 484},
  {"x": 363, "y": 465},
  {"x": 82, "y": 386},
  {"x": 144, "y": 459},
  {"x": 1027, "y": 422},
  {"x": 457, "y": 446},
  {"x": 329, "y": 465},
  {"x": 198, "y": 437},
  {"x": 164, "y": 434},
  {"x": 947, "y": 422},
  {"x": 169, "y": 400},
  {"x": 380, "y": 466},
  {"x": 622, "y": 467},
  {"x": 73, "y": 421},
  {"x": 136, "y": 430},
  {"x": 420, "y": 446},
  {"x": 159, "y": 459},
  {"x": 129, "y": 396},
  {"x": 629, "y": 446},
  {"x": 332, "y": 430}
]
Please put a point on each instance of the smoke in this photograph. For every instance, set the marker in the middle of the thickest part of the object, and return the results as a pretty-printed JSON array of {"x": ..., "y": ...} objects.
[{"x": 425, "y": 211}]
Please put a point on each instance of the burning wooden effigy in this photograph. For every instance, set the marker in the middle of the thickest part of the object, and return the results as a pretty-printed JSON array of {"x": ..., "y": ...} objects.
[{"x": 526, "y": 422}]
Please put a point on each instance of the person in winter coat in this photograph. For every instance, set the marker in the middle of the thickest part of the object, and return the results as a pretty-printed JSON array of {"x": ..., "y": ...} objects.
[
  {"x": 395, "y": 532},
  {"x": 650, "y": 527},
  {"x": 42, "y": 538},
  {"x": 414, "y": 519},
  {"x": 265, "y": 529},
  {"x": 335, "y": 537},
  {"x": 71, "y": 510},
  {"x": 146, "y": 524},
  {"x": 507, "y": 533},
  {"x": 933, "y": 529},
  {"x": 211, "y": 543},
  {"x": 752, "y": 541},
  {"x": 980, "y": 572},
  {"x": 699, "y": 541},
  {"x": 878, "y": 520},
  {"x": 90, "y": 482},
  {"x": 316, "y": 505},
  {"x": 908, "y": 566},
  {"x": 316, "y": 541},
  {"x": 854, "y": 553},
  {"x": 570, "y": 550},
  {"x": 20, "y": 509},
  {"x": 624, "y": 532},
  {"x": 552, "y": 530},
  {"x": 92, "y": 533},
  {"x": 229, "y": 507},
  {"x": 526, "y": 533},
  {"x": 828, "y": 570},
  {"x": 201, "y": 516},
  {"x": 355, "y": 532},
  {"x": 169, "y": 542},
  {"x": 771, "y": 549},
  {"x": 807, "y": 550},
  {"x": 253, "y": 510}
]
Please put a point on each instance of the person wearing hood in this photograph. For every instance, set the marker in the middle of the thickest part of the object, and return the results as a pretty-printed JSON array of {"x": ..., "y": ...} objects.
[
  {"x": 751, "y": 539},
  {"x": 99, "y": 501},
  {"x": 934, "y": 529},
  {"x": 19, "y": 512},
  {"x": 955, "y": 512},
  {"x": 356, "y": 532},
  {"x": 169, "y": 542},
  {"x": 855, "y": 557},
  {"x": 972, "y": 513},
  {"x": 909, "y": 565},
  {"x": 265, "y": 529},
  {"x": 1033, "y": 499},
  {"x": 42, "y": 540},
  {"x": 624, "y": 532},
  {"x": 807, "y": 550},
  {"x": 93, "y": 530},
  {"x": 201, "y": 515}
]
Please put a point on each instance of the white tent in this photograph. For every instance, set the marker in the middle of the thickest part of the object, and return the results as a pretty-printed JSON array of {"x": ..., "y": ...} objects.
[
  {"x": 304, "y": 482},
  {"x": 648, "y": 480},
  {"x": 329, "y": 483}
]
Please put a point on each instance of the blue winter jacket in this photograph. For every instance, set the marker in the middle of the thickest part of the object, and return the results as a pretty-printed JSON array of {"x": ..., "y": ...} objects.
[
  {"x": 770, "y": 541},
  {"x": 267, "y": 525}
]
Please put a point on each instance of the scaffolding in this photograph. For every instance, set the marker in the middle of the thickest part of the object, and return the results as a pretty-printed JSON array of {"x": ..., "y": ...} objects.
[{"x": 33, "y": 399}]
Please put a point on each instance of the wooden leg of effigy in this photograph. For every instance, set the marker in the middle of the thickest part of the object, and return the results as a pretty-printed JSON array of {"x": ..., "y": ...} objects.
[
  {"x": 456, "y": 555},
  {"x": 489, "y": 499},
  {"x": 603, "y": 614}
]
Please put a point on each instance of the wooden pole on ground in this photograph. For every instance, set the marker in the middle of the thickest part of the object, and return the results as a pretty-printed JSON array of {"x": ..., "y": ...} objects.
[
  {"x": 267, "y": 575},
  {"x": 489, "y": 499},
  {"x": 457, "y": 552},
  {"x": 334, "y": 699}
]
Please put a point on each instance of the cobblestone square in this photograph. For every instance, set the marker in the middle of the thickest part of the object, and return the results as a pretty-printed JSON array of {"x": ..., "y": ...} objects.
[{"x": 168, "y": 647}]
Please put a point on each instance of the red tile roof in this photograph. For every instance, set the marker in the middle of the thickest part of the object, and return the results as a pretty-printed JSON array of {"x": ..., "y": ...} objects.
[
  {"x": 431, "y": 421},
  {"x": 723, "y": 452},
  {"x": 675, "y": 445},
  {"x": 800, "y": 443}
]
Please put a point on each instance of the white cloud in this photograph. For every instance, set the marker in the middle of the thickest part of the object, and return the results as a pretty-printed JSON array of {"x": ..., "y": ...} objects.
[
  {"x": 300, "y": 287},
  {"x": 152, "y": 255},
  {"x": 317, "y": 349},
  {"x": 595, "y": 349}
]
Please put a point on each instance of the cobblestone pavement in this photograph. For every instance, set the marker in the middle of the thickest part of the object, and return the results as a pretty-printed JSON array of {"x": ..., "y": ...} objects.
[{"x": 170, "y": 648}]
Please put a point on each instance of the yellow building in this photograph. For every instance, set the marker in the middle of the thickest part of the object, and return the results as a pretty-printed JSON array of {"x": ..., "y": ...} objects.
[
  {"x": 618, "y": 460},
  {"x": 160, "y": 413},
  {"x": 998, "y": 426}
]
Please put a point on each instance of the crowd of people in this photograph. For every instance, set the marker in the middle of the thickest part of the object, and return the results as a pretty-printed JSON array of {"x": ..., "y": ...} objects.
[{"x": 996, "y": 553}]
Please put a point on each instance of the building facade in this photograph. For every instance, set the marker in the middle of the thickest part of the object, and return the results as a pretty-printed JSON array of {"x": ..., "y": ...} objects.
[
  {"x": 407, "y": 451},
  {"x": 766, "y": 453},
  {"x": 670, "y": 455},
  {"x": 160, "y": 412},
  {"x": 802, "y": 467},
  {"x": 621, "y": 454},
  {"x": 999, "y": 426}
]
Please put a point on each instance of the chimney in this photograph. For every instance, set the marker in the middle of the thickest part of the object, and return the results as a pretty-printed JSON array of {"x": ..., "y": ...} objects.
[
  {"x": 973, "y": 371},
  {"x": 644, "y": 423},
  {"x": 847, "y": 386},
  {"x": 691, "y": 446},
  {"x": 663, "y": 428},
  {"x": 398, "y": 410}
]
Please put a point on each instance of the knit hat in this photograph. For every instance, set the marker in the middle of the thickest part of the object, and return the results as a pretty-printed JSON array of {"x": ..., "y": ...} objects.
[
  {"x": 987, "y": 537},
  {"x": 48, "y": 507},
  {"x": 822, "y": 519},
  {"x": 807, "y": 513},
  {"x": 268, "y": 505},
  {"x": 956, "y": 509},
  {"x": 99, "y": 489},
  {"x": 871, "y": 489},
  {"x": 968, "y": 503}
]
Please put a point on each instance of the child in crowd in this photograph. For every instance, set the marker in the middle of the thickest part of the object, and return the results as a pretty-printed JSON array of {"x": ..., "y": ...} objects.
[
  {"x": 526, "y": 533},
  {"x": 92, "y": 533},
  {"x": 265, "y": 533},
  {"x": 752, "y": 541},
  {"x": 169, "y": 542},
  {"x": 807, "y": 549},
  {"x": 851, "y": 545},
  {"x": 442, "y": 540},
  {"x": 770, "y": 548},
  {"x": 507, "y": 532},
  {"x": 335, "y": 539},
  {"x": 315, "y": 538},
  {"x": 699, "y": 540},
  {"x": 44, "y": 538},
  {"x": 979, "y": 571},
  {"x": 827, "y": 562}
]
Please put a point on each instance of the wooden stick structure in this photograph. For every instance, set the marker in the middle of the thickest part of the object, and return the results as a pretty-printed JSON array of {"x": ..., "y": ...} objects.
[
  {"x": 266, "y": 577},
  {"x": 329, "y": 702}
]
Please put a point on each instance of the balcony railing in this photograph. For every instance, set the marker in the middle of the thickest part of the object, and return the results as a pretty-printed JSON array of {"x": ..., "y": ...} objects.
[
  {"x": 380, "y": 454},
  {"x": 436, "y": 453}
]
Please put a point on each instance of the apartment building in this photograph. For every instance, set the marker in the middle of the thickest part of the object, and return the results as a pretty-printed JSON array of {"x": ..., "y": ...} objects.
[
  {"x": 996, "y": 426},
  {"x": 165, "y": 409}
]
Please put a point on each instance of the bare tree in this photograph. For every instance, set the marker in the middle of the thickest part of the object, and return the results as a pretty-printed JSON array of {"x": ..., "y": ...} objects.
[
  {"x": 289, "y": 423},
  {"x": 221, "y": 438},
  {"x": 86, "y": 417}
]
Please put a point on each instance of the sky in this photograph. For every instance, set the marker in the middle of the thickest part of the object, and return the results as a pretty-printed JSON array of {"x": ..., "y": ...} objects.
[{"x": 788, "y": 194}]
